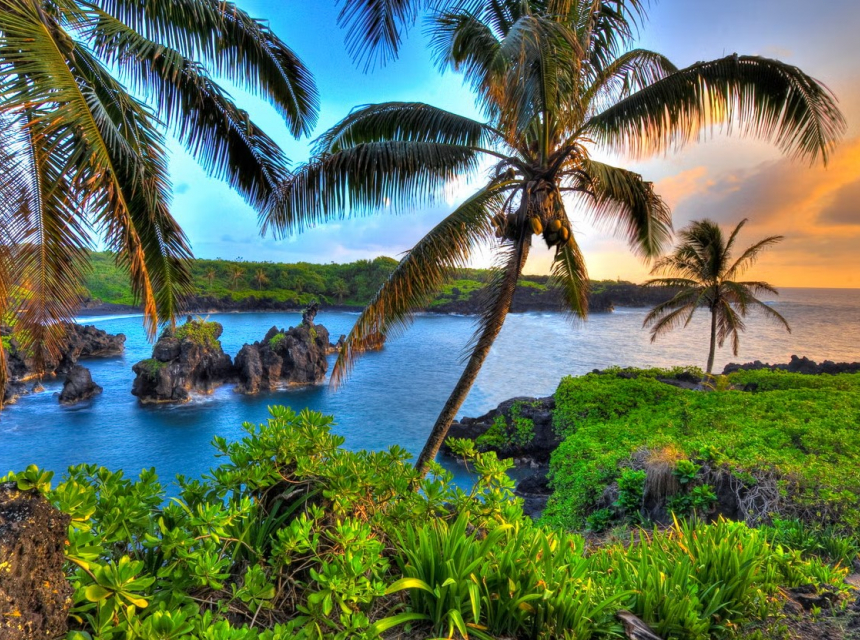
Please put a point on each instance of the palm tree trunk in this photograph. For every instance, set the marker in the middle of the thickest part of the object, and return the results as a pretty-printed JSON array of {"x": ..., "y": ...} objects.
[
  {"x": 713, "y": 343},
  {"x": 496, "y": 318}
]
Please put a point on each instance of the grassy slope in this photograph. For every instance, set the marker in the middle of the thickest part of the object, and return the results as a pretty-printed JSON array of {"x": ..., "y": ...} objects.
[{"x": 799, "y": 431}]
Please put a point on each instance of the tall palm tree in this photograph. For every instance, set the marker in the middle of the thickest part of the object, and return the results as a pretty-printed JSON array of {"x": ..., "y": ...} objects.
[
  {"x": 210, "y": 276},
  {"x": 260, "y": 278},
  {"x": 703, "y": 268},
  {"x": 88, "y": 91},
  {"x": 556, "y": 79},
  {"x": 236, "y": 275}
]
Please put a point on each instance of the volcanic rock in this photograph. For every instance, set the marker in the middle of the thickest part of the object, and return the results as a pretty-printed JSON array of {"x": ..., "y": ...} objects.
[
  {"x": 34, "y": 594},
  {"x": 797, "y": 365},
  {"x": 538, "y": 448},
  {"x": 79, "y": 386},
  {"x": 185, "y": 360},
  {"x": 294, "y": 356}
]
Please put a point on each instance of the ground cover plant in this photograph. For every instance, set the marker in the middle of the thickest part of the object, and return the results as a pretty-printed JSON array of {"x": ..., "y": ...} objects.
[
  {"x": 292, "y": 536},
  {"x": 637, "y": 449}
]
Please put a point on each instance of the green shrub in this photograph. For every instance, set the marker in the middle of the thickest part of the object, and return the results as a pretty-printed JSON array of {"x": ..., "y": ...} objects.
[
  {"x": 277, "y": 339},
  {"x": 798, "y": 444},
  {"x": 151, "y": 366},
  {"x": 200, "y": 332},
  {"x": 504, "y": 433},
  {"x": 294, "y": 537}
]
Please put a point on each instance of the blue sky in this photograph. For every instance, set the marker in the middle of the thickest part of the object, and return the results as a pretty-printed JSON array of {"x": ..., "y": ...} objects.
[{"x": 723, "y": 178}]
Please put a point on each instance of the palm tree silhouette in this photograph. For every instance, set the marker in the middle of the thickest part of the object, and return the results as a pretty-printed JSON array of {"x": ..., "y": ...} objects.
[{"x": 702, "y": 267}]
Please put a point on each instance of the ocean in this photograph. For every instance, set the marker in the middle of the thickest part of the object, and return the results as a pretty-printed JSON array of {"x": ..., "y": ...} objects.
[{"x": 395, "y": 394}]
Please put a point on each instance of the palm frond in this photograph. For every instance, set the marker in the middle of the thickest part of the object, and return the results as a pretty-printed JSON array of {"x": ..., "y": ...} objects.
[
  {"x": 118, "y": 155},
  {"x": 232, "y": 45},
  {"x": 404, "y": 122},
  {"x": 671, "y": 282},
  {"x": 624, "y": 76},
  {"x": 749, "y": 256},
  {"x": 771, "y": 314},
  {"x": 729, "y": 325},
  {"x": 218, "y": 134},
  {"x": 49, "y": 241},
  {"x": 756, "y": 288},
  {"x": 136, "y": 219},
  {"x": 366, "y": 178},
  {"x": 628, "y": 205},
  {"x": 570, "y": 275},
  {"x": 758, "y": 96},
  {"x": 666, "y": 322},
  {"x": 688, "y": 299},
  {"x": 733, "y": 236},
  {"x": 421, "y": 273},
  {"x": 375, "y": 28}
]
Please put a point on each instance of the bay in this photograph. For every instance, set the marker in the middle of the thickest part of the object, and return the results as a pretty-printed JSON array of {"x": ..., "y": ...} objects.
[{"x": 394, "y": 395}]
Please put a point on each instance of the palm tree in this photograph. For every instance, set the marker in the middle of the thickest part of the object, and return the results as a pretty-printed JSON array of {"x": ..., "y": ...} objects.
[
  {"x": 235, "y": 275},
  {"x": 340, "y": 289},
  {"x": 555, "y": 79},
  {"x": 703, "y": 269},
  {"x": 82, "y": 153},
  {"x": 260, "y": 278},
  {"x": 210, "y": 276}
]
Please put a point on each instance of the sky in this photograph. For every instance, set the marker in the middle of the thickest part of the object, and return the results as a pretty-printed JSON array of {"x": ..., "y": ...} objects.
[{"x": 723, "y": 178}]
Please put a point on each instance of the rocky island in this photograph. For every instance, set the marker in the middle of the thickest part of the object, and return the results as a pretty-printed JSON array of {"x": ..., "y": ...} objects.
[
  {"x": 185, "y": 359},
  {"x": 293, "y": 356}
]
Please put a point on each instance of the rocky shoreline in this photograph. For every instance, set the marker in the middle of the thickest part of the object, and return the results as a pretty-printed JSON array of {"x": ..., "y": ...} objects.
[{"x": 81, "y": 343}]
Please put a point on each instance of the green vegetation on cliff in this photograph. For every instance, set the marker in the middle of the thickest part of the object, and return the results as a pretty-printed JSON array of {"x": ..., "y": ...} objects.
[
  {"x": 784, "y": 448},
  {"x": 294, "y": 537},
  {"x": 351, "y": 284}
]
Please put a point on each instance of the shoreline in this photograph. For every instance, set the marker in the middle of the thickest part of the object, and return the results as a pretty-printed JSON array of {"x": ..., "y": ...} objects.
[{"x": 127, "y": 311}]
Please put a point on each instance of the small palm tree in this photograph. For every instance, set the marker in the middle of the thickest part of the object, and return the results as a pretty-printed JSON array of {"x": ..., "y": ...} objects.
[
  {"x": 340, "y": 289},
  {"x": 703, "y": 269},
  {"x": 210, "y": 276},
  {"x": 555, "y": 79},
  {"x": 260, "y": 278},
  {"x": 236, "y": 275}
]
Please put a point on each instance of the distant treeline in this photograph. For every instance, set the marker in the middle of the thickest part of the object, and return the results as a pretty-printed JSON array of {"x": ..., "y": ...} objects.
[{"x": 352, "y": 284}]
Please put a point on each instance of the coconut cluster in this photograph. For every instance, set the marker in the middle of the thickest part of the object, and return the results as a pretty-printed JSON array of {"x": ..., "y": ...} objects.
[{"x": 555, "y": 232}]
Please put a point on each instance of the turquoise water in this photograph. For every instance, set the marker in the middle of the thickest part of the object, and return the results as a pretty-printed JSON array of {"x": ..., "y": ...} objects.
[{"x": 395, "y": 394}]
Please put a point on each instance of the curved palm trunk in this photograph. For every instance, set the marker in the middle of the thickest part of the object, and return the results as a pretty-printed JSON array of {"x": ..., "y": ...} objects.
[
  {"x": 713, "y": 343},
  {"x": 476, "y": 360}
]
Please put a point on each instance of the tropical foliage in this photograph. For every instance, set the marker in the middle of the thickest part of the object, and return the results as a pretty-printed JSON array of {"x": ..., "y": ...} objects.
[
  {"x": 353, "y": 283},
  {"x": 555, "y": 81},
  {"x": 704, "y": 271},
  {"x": 294, "y": 537},
  {"x": 783, "y": 449},
  {"x": 88, "y": 91}
]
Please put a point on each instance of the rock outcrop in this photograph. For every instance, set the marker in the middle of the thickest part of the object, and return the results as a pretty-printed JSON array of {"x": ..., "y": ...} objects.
[
  {"x": 294, "y": 356},
  {"x": 80, "y": 342},
  {"x": 521, "y": 429},
  {"x": 79, "y": 386},
  {"x": 530, "y": 445},
  {"x": 797, "y": 365},
  {"x": 34, "y": 594},
  {"x": 185, "y": 360},
  {"x": 84, "y": 342}
]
